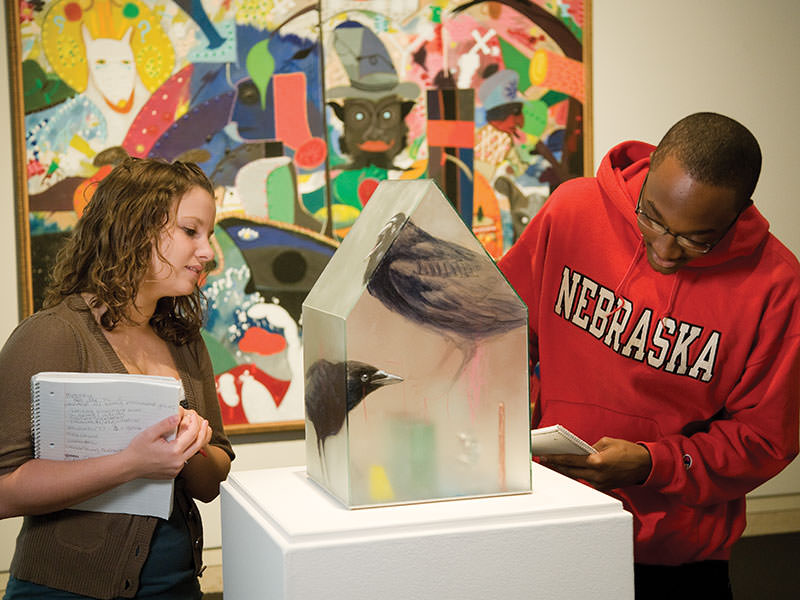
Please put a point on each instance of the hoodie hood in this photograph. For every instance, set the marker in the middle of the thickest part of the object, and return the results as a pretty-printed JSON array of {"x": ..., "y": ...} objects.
[{"x": 621, "y": 176}]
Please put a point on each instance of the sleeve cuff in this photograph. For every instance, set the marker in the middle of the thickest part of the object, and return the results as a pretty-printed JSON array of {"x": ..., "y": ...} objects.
[{"x": 663, "y": 465}]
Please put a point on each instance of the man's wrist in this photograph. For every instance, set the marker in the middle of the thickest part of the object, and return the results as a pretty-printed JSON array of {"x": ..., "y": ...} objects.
[{"x": 647, "y": 464}]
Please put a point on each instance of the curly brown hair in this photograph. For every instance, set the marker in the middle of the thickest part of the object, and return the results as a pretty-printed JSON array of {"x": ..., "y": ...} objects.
[{"x": 111, "y": 248}]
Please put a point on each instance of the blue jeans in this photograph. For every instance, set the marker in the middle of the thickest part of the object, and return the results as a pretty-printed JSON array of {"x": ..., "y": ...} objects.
[{"x": 25, "y": 590}]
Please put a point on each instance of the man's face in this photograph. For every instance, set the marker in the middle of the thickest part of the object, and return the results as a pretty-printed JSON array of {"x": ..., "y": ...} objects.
[{"x": 696, "y": 211}]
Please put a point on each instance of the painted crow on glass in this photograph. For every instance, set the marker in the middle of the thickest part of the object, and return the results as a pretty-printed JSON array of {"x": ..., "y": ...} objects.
[
  {"x": 327, "y": 406},
  {"x": 440, "y": 285}
]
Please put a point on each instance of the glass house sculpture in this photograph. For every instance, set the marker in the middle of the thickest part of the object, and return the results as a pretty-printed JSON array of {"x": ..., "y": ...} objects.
[{"x": 416, "y": 360}]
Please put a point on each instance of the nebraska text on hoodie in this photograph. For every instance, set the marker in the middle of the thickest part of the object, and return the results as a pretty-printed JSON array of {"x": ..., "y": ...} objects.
[
  {"x": 702, "y": 366},
  {"x": 671, "y": 342}
]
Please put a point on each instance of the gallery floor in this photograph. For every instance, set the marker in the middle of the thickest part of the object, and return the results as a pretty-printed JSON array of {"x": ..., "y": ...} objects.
[{"x": 766, "y": 567}]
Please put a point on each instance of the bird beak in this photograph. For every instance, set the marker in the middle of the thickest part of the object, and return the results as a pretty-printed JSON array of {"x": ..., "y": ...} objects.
[{"x": 384, "y": 378}]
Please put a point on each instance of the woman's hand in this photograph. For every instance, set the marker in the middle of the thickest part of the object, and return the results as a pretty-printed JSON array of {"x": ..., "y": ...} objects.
[
  {"x": 195, "y": 427},
  {"x": 152, "y": 455},
  {"x": 208, "y": 465}
]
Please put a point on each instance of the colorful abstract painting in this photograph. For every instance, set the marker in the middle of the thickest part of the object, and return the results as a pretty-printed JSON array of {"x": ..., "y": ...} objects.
[{"x": 296, "y": 110}]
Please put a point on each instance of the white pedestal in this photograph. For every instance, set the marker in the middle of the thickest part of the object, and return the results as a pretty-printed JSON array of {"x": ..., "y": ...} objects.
[{"x": 284, "y": 538}]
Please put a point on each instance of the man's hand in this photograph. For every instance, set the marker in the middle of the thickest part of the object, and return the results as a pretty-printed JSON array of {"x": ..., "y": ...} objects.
[{"x": 618, "y": 463}]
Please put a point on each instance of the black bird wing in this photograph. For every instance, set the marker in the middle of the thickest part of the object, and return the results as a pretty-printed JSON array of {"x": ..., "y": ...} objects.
[
  {"x": 463, "y": 297},
  {"x": 444, "y": 286}
]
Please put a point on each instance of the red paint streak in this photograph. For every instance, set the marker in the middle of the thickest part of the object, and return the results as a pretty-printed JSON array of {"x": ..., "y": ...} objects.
[
  {"x": 452, "y": 134},
  {"x": 291, "y": 122},
  {"x": 260, "y": 341}
]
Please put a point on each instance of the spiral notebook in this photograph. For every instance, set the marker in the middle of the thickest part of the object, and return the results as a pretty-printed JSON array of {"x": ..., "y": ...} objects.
[
  {"x": 83, "y": 415},
  {"x": 557, "y": 439}
]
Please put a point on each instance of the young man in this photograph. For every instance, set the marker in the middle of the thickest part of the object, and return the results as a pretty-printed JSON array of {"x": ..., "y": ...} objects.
[{"x": 666, "y": 322}]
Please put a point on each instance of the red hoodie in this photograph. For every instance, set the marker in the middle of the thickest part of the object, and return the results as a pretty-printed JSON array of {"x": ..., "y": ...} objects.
[{"x": 702, "y": 366}]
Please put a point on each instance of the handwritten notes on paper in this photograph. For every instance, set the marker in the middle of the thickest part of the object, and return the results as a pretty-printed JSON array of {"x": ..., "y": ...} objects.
[
  {"x": 97, "y": 425},
  {"x": 76, "y": 416}
]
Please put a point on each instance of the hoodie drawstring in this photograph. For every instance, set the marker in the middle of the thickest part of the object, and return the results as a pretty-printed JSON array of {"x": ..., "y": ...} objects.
[
  {"x": 618, "y": 290},
  {"x": 673, "y": 294}
]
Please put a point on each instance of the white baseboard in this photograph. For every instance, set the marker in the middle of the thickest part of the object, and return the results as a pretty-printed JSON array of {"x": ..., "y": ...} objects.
[{"x": 768, "y": 515}]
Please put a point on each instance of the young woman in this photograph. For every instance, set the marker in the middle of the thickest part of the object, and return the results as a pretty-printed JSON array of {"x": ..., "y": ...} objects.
[{"x": 124, "y": 298}]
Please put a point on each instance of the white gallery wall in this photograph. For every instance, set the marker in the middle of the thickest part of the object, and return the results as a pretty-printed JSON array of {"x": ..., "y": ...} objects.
[{"x": 655, "y": 61}]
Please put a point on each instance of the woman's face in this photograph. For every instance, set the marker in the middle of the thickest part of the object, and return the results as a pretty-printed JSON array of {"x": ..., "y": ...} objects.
[{"x": 185, "y": 246}]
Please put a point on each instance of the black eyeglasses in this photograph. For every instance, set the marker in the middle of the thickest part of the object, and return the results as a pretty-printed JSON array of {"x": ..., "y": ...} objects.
[{"x": 684, "y": 242}]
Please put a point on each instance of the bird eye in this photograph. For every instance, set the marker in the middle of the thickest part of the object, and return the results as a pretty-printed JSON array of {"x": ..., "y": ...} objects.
[
  {"x": 364, "y": 378},
  {"x": 359, "y": 116},
  {"x": 387, "y": 115}
]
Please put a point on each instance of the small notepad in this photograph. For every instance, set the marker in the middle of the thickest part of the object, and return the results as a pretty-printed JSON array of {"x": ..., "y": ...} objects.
[
  {"x": 76, "y": 416},
  {"x": 557, "y": 439}
]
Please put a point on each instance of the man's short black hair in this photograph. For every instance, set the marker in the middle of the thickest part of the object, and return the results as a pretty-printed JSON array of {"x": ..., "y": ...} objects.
[{"x": 715, "y": 150}]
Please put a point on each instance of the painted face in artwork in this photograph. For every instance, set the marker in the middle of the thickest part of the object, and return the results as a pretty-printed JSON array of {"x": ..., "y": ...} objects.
[
  {"x": 112, "y": 68},
  {"x": 508, "y": 118},
  {"x": 374, "y": 131},
  {"x": 184, "y": 246}
]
